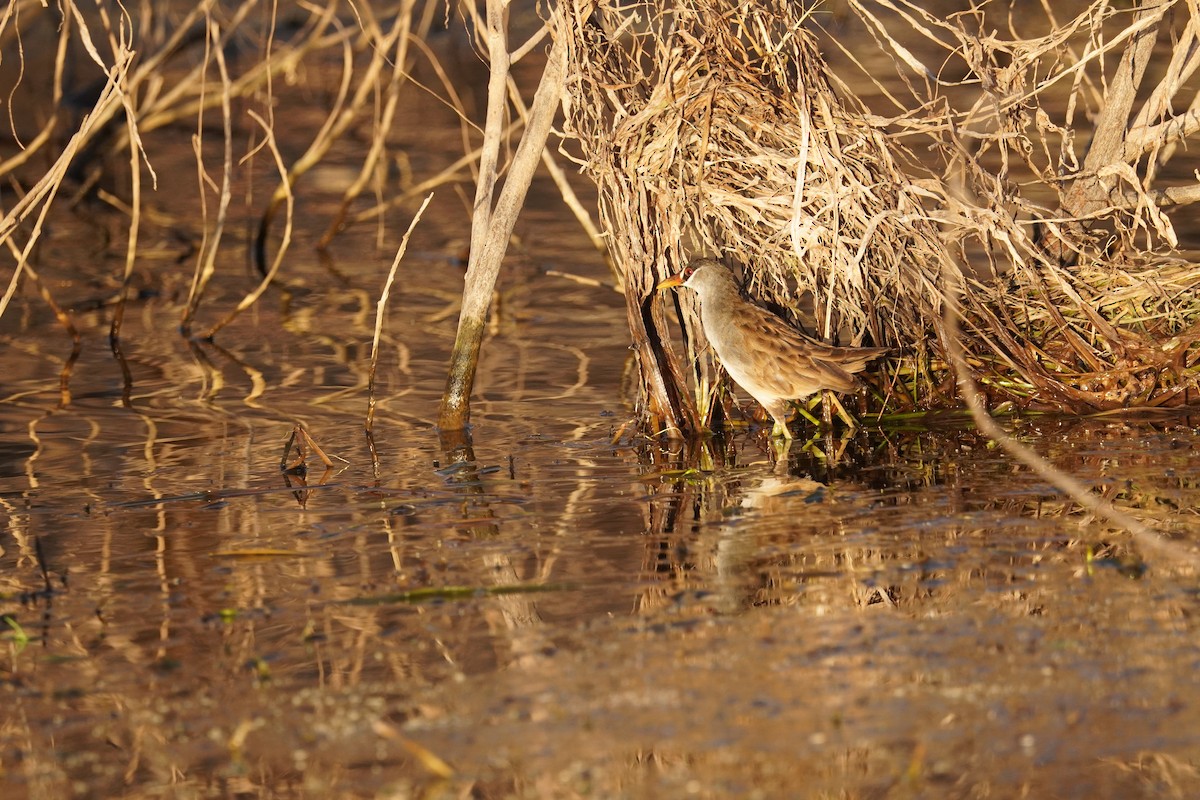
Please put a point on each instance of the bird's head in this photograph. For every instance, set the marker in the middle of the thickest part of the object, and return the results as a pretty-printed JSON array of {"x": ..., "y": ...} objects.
[{"x": 701, "y": 274}]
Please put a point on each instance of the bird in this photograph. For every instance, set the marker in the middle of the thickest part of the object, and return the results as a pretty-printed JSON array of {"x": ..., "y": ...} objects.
[{"x": 774, "y": 362}]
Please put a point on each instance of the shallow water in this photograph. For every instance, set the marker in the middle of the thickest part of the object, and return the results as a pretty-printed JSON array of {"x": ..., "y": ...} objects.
[{"x": 553, "y": 607}]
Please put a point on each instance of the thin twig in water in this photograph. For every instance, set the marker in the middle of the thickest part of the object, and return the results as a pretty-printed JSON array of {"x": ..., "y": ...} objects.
[
  {"x": 206, "y": 265},
  {"x": 380, "y": 308},
  {"x": 284, "y": 243}
]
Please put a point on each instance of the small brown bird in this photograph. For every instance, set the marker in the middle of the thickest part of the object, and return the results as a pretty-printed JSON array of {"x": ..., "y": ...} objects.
[{"x": 763, "y": 354}]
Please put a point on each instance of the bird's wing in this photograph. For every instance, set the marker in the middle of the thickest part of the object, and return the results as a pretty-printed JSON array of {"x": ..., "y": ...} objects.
[
  {"x": 788, "y": 363},
  {"x": 833, "y": 375},
  {"x": 819, "y": 365}
]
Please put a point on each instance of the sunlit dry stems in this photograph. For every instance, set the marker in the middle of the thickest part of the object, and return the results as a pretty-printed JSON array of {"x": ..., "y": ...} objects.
[
  {"x": 28, "y": 150},
  {"x": 383, "y": 122},
  {"x": 344, "y": 111},
  {"x": 570, "y": 199},
  {"x": 1185, "y": 58},
  {"x": 122, "y": 55},
  {"x": 339, "y": 119},
  {"x": 210, "y": 244},
  {"x": 285, "y": 241},
  {"x": 451, "y": 174},
  {"x": 495, "y": 33},
  {"x": 135, "y": 221},
  {"x": 1108, "y": 142},
  {"x": 492, "y": 222},
  {"x": 452, "y": 99},
  {"x": 692, "y": 161},
  {"x": 1146, "y": 538},
  {"x": 122, "y": 59},
  {"x": 381, "y": 310},
  {"x": 181, "y": 100},
  {"x": 176, "y": 102},
  {"x": 317, "y": 148},
  {"x": 581, "y": 214},
  {"x": 40, "y": 197}
]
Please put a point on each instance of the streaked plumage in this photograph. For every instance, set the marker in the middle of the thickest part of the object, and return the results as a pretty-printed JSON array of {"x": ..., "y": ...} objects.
[{"x": 763, "y": 354}]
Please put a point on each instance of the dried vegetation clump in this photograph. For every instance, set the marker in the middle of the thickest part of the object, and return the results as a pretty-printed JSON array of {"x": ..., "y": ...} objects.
[{"x": 1015, "y": 174}]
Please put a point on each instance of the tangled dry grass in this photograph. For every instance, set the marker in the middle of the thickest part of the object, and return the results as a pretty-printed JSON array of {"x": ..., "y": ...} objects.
[{"x": 718, "y": 127}]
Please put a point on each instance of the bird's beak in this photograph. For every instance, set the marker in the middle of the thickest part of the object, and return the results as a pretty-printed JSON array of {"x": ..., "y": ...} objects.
[{"x": 674, "y": 280}]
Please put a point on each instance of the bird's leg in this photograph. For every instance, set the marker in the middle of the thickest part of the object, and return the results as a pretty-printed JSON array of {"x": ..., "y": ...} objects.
[
  {"x": 827, "y": 401},
  {"x": 778, "y": 412}
]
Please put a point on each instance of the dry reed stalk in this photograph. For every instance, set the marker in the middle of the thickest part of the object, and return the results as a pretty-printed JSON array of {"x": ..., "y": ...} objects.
[
  {"x": 451, "y": 174},
  {"x": 285, "y": 241},
  {"x": 380, "y": 310},
  {"x": 453, "y": 101},
  {"x": 493, "y": 217},
  {"x": 28, "y": 150},
  {"x": 1146, "y": 537},
  {"x": 183, "y": 98},
  {"x": 1043, "y": 307},
  {"x": 347, "y": 108},
  {"x": 119, "y": 44},
  {"x": 717, "y": 127},
  {"x": 210, "y": 243},
  {"x": 137, "y": 88},
  {"x": 383, "y": 121},
  {"x": 40, "y": 197}
]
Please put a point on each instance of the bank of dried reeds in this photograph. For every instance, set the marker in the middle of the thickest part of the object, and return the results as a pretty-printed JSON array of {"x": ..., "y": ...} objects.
[{"x": 717, "y": 127}]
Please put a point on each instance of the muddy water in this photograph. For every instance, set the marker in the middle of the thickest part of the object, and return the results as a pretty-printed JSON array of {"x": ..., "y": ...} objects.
[{"x": 554, "y": 608}]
